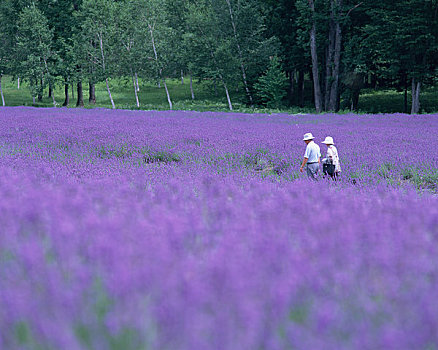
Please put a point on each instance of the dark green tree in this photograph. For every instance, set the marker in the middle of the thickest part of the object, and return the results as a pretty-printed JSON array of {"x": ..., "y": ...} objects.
[
  {"x": 271, "y": 86},
  {"x": 402, "y": 40},
  {"x": 34, "y": 49},
  {"x": 63, "y": 23},
  {"x": 130, "y": 44},
  {"x": 209, "y": 50},
  {"x": 281, "y": 22},
  {"x": 97, "y": 40}
]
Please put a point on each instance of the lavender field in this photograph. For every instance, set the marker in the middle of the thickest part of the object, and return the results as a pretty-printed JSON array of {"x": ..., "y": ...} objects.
[{"x": 186, "y": 230}]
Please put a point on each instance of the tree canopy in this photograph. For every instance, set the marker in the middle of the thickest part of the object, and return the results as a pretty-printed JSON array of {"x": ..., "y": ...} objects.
[{"x": 251, "y": 46}]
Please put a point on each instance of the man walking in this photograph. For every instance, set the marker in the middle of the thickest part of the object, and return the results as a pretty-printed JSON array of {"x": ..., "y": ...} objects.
[{"x": 312, "y": 157}]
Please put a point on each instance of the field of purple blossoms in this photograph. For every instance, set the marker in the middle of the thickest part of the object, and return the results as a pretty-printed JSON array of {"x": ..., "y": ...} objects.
[{"x": 185, "y": 230}]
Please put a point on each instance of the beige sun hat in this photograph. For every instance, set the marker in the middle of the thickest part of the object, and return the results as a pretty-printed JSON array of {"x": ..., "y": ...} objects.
[
  {"x": 308, "y": 136},
  {"x": 328, "y": 140}
]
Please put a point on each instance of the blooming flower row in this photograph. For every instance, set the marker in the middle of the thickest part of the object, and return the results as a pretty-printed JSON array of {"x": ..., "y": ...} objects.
[{"x": 135, "y": 230}]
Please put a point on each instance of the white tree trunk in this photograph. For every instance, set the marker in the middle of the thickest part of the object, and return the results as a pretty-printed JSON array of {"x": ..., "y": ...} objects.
[
  {"x": 135, "y": 90},
  {"x": 239, "y": 50},
  {"x": 228, "y": 97},
  {"x": 227, "y": 93},
  {"x": 18, "y": 83},
  {"x": 160, "y": 71},
  {"x": 53, "y": 99},
  {"x": 101, "y": 52},
  {"x": 182, "y": 77},
  {"x": 1, "y": 92},
  {"x": 191, "y": 87},
  {"x": 167, "y": 93},
  {"x": 136, "y": 82},
  {"x": 103, "y": 68},
  {"x": 151, "y": 31},
  {"x": 109, "y": 94},
  {"x": 33, "y": 99},
  {"x": 48, "y": 74}
]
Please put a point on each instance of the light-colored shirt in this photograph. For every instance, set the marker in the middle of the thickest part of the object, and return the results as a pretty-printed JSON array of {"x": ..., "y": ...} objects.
[
  {"x": 332, "y": 153},
  {"x": 313, "y": 152}
]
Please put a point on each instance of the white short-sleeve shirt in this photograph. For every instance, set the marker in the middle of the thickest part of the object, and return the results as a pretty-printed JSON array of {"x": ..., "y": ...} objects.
[{"x": 313, "y": 152}]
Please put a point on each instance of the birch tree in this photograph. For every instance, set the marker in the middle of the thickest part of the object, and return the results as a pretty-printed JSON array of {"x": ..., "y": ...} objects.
[
  {"x": 176, "y": 13},
  {"x": 253, "y": 45},
  {"x": 62, "y": 20},
  {"x": 4, "y": 46},
  {"x": 33, "y": 49},
  {"x": 239, "y": 51},
  {"x": 211, "y": 49},
  {"x": 9, "y": 15},
  {"x": 159, "y": 34},
  {"x": 1, "y": 88},
  {"x": 98, "y": 18},
  {"x": 130, "y": 43}
]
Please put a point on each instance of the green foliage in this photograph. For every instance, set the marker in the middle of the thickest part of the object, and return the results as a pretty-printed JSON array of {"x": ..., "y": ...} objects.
[
  {"x": 271, "y": 87},
  {"x": 227, "y": 44},
  {"x": 423, "y": 180},
  {"x": 371, "y": 101},
  {"x": 34, "y": 48},
  {"x": 96, "y": 40},
  {"x": 211, "y": 54},
  {"x": 120, "y": 152},
  {"x": 150, "y": 156},
  {"x": 130, "y": 39},
  {"x": 392, "y": 101}
]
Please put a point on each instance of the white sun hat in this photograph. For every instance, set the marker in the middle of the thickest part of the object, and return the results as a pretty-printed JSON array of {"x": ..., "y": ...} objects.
[
  {"x": 328, "y": 140},
  {"x": 308, "y": 136}
]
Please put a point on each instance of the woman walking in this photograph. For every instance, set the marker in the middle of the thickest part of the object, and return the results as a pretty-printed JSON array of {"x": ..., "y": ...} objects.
[{"x": 331, "y": 164}]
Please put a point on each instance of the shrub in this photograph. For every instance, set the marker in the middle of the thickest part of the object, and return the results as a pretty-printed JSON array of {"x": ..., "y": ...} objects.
[{"x": 271, "y": 87}]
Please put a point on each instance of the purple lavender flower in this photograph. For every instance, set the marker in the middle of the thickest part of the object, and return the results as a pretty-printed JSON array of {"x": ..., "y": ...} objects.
[{"x": 134, "y": 230}]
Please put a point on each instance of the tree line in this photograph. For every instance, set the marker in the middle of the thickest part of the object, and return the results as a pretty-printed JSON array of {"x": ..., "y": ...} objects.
[{"x": 268, "y": 49}]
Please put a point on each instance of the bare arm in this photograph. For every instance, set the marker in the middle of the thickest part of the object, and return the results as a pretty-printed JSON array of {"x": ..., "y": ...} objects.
[{"x": 304, "y": 163}]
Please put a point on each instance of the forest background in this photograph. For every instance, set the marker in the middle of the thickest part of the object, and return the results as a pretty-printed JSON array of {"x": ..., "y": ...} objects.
[{"x": 300, "y": 55}]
